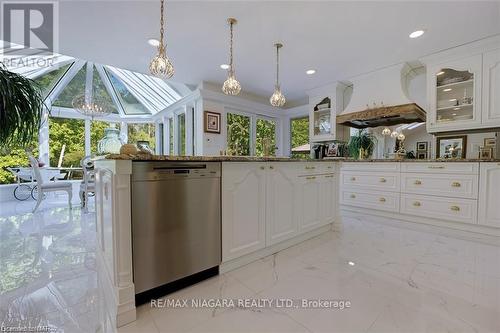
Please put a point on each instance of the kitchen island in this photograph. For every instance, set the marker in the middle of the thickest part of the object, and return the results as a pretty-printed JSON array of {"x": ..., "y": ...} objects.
[{"x": 269, "y": 204}]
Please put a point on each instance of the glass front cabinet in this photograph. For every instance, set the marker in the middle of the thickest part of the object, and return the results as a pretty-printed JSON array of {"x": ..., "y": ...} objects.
[
  {"x": 455, "y": 95},
  {"x": 322, "y": 120}
]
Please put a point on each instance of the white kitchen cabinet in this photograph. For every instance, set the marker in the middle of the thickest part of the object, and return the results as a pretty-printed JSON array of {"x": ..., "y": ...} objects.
[
  {"x": 282, "y": 200},
  {"x": 243, "y": 208},
  {"x": 454, "y": 94},
  {"x": 322, "y": 119},
  {"x": 491, "y": 88},
  {"x": 328, "y": 195},
  {"x": 309, "y": 203},
  {"x": 489, "y": 195}
]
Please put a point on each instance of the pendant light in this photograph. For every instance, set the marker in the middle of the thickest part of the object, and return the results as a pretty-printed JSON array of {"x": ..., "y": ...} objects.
[
  {"x": 160, "y": 65},
  {"x": 231, "y": 86},
  {"x": 277, "y": 99}
]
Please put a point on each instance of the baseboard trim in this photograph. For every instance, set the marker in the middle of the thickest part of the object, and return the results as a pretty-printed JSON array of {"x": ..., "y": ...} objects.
[{"x": 248, "y": 258}]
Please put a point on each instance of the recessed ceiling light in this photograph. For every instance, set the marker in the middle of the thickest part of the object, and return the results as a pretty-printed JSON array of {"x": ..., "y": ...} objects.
[
  {"x": 350, "y": 263},
  {"x": 417, "y": 33},
  {"x": 456, "y": 109},
  {"x": 224, "y": 66},
  {"x": 153, "y": 42},
  {"x": 453, "y": 114},
  {"x": 447, "y": 89},
  {"x": 440, "y": 73},
  {"x": 453, "y": 99},
  {"x": 310, "y": 71}
]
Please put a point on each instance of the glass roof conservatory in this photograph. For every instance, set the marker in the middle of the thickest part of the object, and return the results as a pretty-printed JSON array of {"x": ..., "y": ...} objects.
[{"x": 129, "y": 94}]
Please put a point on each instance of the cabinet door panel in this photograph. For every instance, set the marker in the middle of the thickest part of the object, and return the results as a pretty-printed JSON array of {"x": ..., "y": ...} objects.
[
  {"x": 243, "y": 209},
  {"x": 310, "y": 211},
  {"x": 489, "y": 194},
  {"x": 491, "y": 88},
  {"x": 282, "y": 195},
  {"x": 328, "y": 198}
]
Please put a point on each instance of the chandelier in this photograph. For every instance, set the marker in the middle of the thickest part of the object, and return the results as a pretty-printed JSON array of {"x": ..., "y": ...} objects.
[
  {"x": 93, "y": 107},
  {"x": 231, "y": 86},
  {"x": 160, "y": 65},
  {"x": 277, "y": 99}
]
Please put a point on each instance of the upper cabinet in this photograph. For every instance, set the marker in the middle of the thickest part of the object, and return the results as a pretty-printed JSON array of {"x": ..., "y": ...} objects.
[
  {"x": 322, "y": 120},
  {"x": 454, "y": 94},
  {"x": 463, "y": 87},
  {"x": 491, "y": 88}
]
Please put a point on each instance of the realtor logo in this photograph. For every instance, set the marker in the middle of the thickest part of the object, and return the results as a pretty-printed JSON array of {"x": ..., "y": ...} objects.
[{"x": 28, "y": 25}]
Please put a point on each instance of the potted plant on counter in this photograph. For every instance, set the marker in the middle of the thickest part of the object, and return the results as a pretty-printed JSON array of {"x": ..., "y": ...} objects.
[{"x": 361, "y": 145}]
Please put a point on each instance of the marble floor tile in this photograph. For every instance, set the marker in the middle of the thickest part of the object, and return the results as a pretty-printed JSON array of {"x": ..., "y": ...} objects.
[{"x": 397, "y": 277}]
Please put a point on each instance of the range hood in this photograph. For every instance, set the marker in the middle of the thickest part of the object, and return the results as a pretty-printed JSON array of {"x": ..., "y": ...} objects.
[{"x": 380, "y": 98}]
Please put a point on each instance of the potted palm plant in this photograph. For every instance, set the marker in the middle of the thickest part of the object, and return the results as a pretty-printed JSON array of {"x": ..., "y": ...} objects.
[
  {"x": 362, "y": 144},
  {"x": 21, "y": 107}
]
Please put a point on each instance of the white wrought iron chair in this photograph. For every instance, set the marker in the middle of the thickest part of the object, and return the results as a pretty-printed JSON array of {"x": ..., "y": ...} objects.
[
  {"x": 44, "y": 187},
  {"x": 87, "y": 186}
]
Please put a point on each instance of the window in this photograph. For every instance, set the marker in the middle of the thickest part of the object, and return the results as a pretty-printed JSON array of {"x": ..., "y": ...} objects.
[
  {"x": 97, "y": 133},
  {"x": 181, "y": 134},
  {"x": 299, "y": 137},
  {"x": 265, "y": 141},
  {"x": 74, "y": 88},
  {"x": 130, "y": 104},
  {"x": 48, "y": 81},
  {"x": 238, "y": 134},
  {"x": 142, "y": 132},
  {"x": 66, "y": 141},
  {"x": 171, "y": 136},
  {"x": 161, "y": 134}
]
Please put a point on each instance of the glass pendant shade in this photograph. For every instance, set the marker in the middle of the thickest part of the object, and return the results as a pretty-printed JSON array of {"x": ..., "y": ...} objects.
[
  {"x": 160, "y": 65},
  {"x": 277, "y": 99},
  {"x": 231, "y": 86}
]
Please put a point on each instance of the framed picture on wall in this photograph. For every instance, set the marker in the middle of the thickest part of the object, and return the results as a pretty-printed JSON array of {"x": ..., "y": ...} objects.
[
  {"x": 451, "y": 147},
  {"x": 421, "y": 155},
  {"x": 423, "y": 145},
  {"x": 486, "y": 152},
  {"x": 212, "y": 122},
  {"x": 490, "y": 142}
]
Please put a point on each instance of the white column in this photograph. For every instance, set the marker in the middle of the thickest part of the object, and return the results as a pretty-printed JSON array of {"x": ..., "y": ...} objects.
[
  {"x": 157, "y": 139},
  {"x": 199, "y": 127},
  {"x": 43, "y": 139},
  {"x": 166, "y": 138},
  {"x": 124, "y": 132},
  {"x": 175, "y": 119},
  {"x": 87, "y": 137},
  {"x": 188, "y": 110}
]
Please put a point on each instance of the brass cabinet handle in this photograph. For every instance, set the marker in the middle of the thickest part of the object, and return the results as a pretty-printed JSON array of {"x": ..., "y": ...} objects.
[
  {"x": 262, "y": 167},
  {"x": 436, "y": 166},
  {"x": 418, "y": 182},
  {"x": 353, "y": 196},
  {"x": 382, "y": 200},
  {"x": 456, "y": 184},
  {"x": 310, "y": 167},
  {"x": 455, "y": 208},
  {"x": 271, "y": 167},
  {"x": 353, "y": 178},
  {"x": 311, "y": 177},
  {"x": 383, "y": 180},
  {"x": 329, "y": 167},
  {"x": 417, "y": 204},
  {"x": 329, "y": 176}
]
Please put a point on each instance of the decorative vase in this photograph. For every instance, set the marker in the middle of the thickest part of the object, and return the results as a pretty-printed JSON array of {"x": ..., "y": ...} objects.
[{"x": 111, "y": 142}]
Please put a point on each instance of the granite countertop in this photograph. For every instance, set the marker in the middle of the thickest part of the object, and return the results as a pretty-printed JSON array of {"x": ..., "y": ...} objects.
[{"x": 148, "y": 157}]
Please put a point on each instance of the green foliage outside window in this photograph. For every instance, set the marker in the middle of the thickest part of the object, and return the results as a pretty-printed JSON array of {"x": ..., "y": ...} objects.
[
  {"x": 182, "y": 134},
  {"x": 265, "y": 131},
  {"x": 299, "y": 135},
  {"x": 238, "y": 134},
  {"x": 69, "y": 133},
  {"x": 142, "y": 132}
]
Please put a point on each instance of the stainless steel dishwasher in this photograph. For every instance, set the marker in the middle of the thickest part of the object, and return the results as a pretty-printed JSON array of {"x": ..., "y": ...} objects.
[{"x": 176, "y": 225}]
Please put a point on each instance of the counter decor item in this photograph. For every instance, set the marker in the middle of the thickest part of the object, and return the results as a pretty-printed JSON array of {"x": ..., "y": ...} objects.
[
  {"x": 128, "y": 149},
  {"x": 361, "y": 145},
  {"x": 451, "y": 147},
  {"x": 486, "y": 153},
  {"x": 422, "y": 150},
  {"x": 212, "y": 122},
  {"x": 111, "y": 142}
]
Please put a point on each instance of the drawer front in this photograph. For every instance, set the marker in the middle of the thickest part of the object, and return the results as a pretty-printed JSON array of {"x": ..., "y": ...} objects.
[
  {"x": 314, "y": 168},
  {"x": 371, "y": 166},
  {"x": 441, "y": 167},
  {"x": 387, "y": 201},
  {"x": 370, "y": 181},
  {"x": 458, "y": 186},
  {"x": 451, "y": 209}
]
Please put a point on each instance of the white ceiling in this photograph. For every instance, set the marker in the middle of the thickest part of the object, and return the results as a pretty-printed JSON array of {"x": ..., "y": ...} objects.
[{"x": 338, "y": 39}]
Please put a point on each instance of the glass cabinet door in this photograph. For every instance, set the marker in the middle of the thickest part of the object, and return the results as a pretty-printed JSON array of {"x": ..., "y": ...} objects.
[
  {"x": 322, "y": 122},
  {"x": 454, "y": 95}
]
